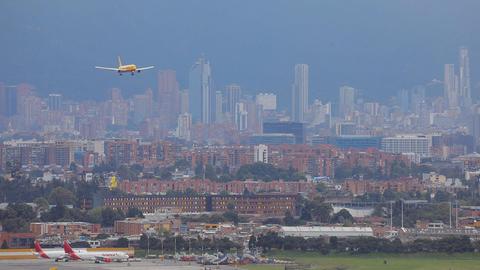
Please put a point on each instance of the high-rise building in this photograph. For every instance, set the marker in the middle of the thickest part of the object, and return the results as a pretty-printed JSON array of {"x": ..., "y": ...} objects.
[
  {"x": 200, "y": 91},
  {"x": 465, "y": 90},
  {"x": 450, "y": 90},
  {"x": 371, "y": 108},
  {"x": 346, "y": 101},
  {"x": 11, "y": 101},
  {"x": 184, "y": 126},
  {"x": 241, "y": 116},
  {"x": 255, "y": 116},
  {"x": 54, "y": 102},
  {"x": 140, "y": 107},
  {"x": 260, "y": 153},
  {"x": 184, "y": 107},
  {"x": 168, "y": 97},
  {"x": 218, "y": 107},
  {"x": 475, "y": 132},
  {"x": 300, "y": 93},
  {"x": 267, "y": 100},
  {"x": 233, "y": 93},
  {"x": 117, "y": 108}
]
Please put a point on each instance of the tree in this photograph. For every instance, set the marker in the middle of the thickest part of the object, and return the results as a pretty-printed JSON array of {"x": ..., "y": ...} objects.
[
  {"x": 210, "y": 173},
  {"x": 442, "y": 196},
  {"x": 389, "y": 195},
  {"x": 121, "y": 242},
  {"x": 42, "y": 204},
  {"x": 316, "y": 210},
  {"x": 61, "y": 196},
  {"x": 95, "y": 215},
  {"x": 23, "y": 210},
  {"x": 252, "y": 242},
  {"x": 134, "y": 212},
  {"x": 289, "y": 219},
  {"x": 343, "y": 216},
  {"x": 399, "y": 168},
  {"x": 199, "y": 169},
  {"x": 4, "y": 244},
  {"x": 231, "y": 216},
  {"x": 109, "y": 216},
  {"x": 101, "y": 236}
]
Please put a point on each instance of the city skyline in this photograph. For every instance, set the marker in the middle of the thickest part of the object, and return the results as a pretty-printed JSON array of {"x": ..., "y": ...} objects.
[{"x": 239, "y": 54}]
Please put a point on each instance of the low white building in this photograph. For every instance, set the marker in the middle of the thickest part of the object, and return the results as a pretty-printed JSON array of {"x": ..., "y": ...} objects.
[{"x": 325, "y": 231}]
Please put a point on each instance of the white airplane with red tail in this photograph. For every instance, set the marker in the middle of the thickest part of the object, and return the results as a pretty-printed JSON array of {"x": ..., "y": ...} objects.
[
  {"x": 56, "y": 254},
  {"x": 96, "y": 256}
]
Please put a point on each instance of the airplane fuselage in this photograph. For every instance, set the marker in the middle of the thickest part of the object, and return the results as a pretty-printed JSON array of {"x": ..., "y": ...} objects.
[
  {"x": 127, "y": 68},
  {"x": 96, "y": 256}
]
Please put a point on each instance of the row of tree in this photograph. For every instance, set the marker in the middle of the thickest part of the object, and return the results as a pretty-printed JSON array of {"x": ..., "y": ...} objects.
[
  {"x": 17, "y": 216},
  {"x": 362, "y": 245}
]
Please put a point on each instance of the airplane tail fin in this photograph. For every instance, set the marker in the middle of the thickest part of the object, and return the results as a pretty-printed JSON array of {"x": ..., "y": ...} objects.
[
  {"x": 67, "y": 248},
  {"x": 120, "y": 61},
  {"x": 38, "y": 248}
]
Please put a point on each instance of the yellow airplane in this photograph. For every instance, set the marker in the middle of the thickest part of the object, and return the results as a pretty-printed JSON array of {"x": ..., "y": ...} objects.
[{"x": 125, "y": 68}]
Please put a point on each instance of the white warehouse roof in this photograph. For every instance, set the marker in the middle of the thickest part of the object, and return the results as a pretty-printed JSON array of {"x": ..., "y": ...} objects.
[{"x": 317, "y": 231}]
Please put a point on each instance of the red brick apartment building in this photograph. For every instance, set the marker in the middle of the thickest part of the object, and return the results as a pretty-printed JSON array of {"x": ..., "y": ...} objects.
[
  {"x": 66, "y": 229},
  {"x": 260, "y": 204}
]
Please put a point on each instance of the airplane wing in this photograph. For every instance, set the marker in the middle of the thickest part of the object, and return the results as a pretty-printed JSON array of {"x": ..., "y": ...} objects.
[
  {"x": 107, "y": 68},
  {"x": 145, "y": 68}
]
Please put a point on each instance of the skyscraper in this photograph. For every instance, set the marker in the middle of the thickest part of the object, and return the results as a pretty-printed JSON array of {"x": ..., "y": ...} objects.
[
  {"x": 184, "y": 126},
  {"x": 346, "y": 101},
  {"x": 241, "y": 116},
  {"x": 267, "y": 100},
  {"x": 11, "y": 100},
  {"x": 218, "y": 107},
  {"x": 117, "y": 108},
  {"x": 300, "y": 93},
  {"x": 168, "y": 97},
  {"x": 142, "y": 106},
  {"x": 233, "y": 92},
  {"x": 465, "y": 90},
  {"x": 200, "y": 91},
  {"x": 450, "y": 91},
  {"x": 54, "y": 102},
  {"x": 184, "y": 108}
]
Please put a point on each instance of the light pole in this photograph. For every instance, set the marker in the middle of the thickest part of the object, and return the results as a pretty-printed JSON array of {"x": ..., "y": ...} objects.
[
  {"x": 175, "y": 246},
  {"x": 148, "y": 245},
  {"x": 162, "y": 238}
]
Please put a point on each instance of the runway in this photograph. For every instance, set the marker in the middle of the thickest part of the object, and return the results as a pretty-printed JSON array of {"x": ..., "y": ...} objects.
[{"x": 39, "y": 264}]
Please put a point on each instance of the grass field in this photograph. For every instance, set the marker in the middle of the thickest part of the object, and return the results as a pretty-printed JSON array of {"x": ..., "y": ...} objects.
[{"x": 376, "y": 261}]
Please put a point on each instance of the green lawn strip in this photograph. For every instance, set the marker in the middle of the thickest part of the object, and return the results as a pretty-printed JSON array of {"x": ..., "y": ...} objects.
[{"x": 376, "y": 261}]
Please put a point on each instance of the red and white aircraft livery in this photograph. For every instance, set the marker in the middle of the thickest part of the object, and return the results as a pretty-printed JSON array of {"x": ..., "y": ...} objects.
[
  {"x": 56, "y": 254},
  {"x": 97, "y": 256}
]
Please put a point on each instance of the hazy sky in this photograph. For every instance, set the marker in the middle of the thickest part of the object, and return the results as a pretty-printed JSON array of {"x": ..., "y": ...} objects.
[{"x": 378, "y": 46}]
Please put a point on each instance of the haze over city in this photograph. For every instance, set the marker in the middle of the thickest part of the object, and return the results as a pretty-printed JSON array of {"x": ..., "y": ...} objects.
[
  {"x": 377, "y": 46},
  {"x": 266, "y": 135}
]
